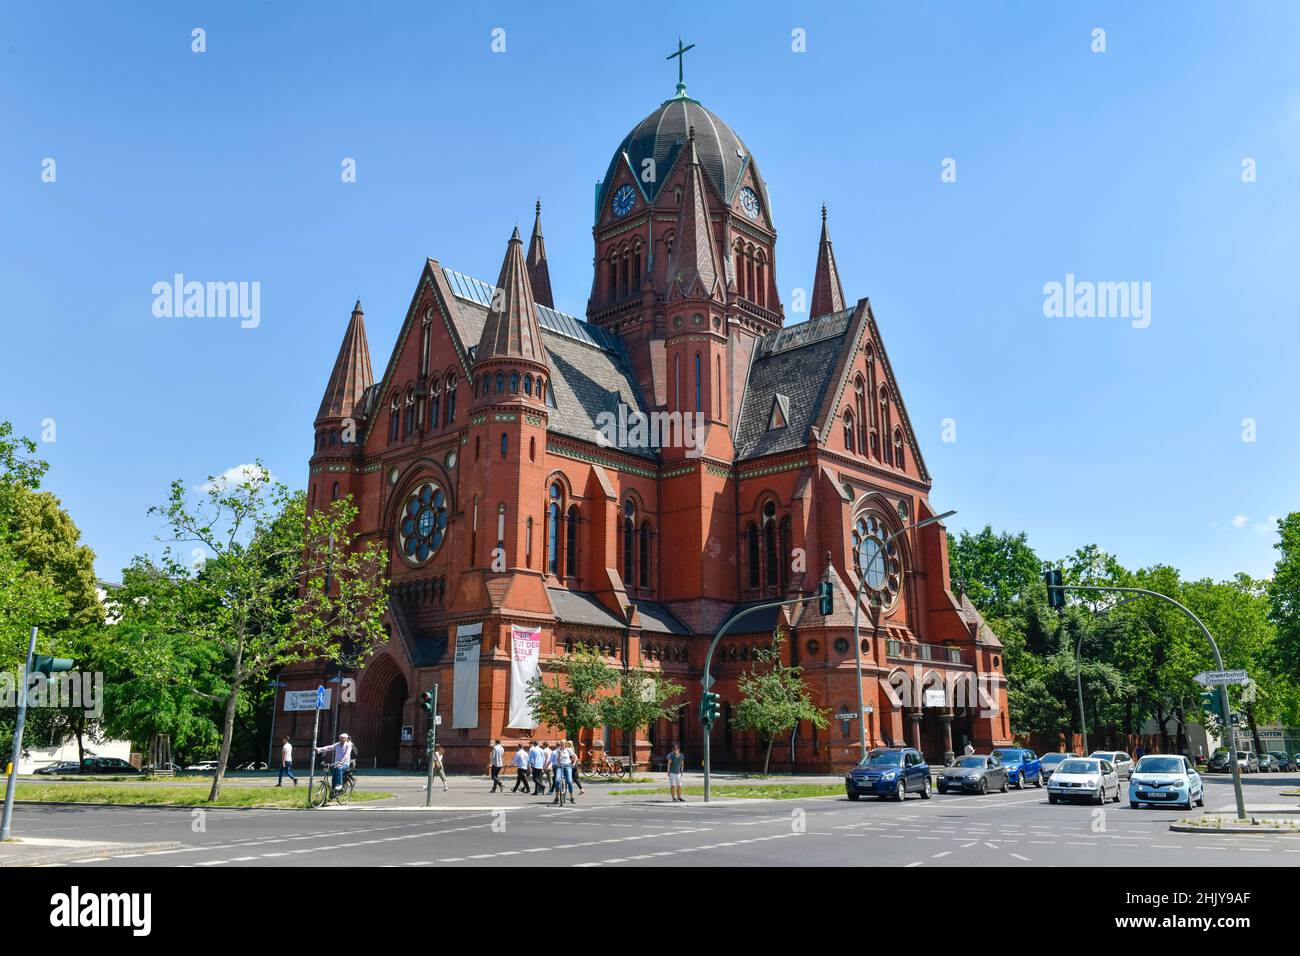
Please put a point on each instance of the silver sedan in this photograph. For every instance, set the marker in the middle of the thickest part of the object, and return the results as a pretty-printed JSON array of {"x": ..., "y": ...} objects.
[{"x": 973, "y": 773}]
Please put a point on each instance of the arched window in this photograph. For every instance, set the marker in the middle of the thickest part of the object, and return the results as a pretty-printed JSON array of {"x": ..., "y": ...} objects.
[
  {"x": 450, "y": 403},
  {"x": 613, "y": 275},
  {"x": 394, "y": 418},
  {"x": 505, "y": 444},
  {"x": 860, "y": 408},
  {"x": 410, "y": 413},
  {"x": 677, "y": 382},
  {"x": 848, "y": 432},
  {"x": 699, "y": 395},
  {"x": 571, "y": 542},
  {"x": 501, "y": 527},
  {"x": 334, "y": 437},
  {"x": 435, "y": 402},
  {"x": 514, "y": 383},
  {"x": 786, "y": 551},
  {"x": 752, "y": 550},
  {"x": 528, "y": 384},
  {"x": 501, "y": 382},
  {"x": 770, "y": 559},
  {"x": 898, "y": 448},
  {"x": 553, "y": 530},
  {"x": 473, "y": 535},
  {"x": 740, "y": 270},
  {"x": 717, "y": 387},
  {"x": 645, "y": 555},
  {"x": 528, "y": 542},
  {"x": 636, "y": 267},
  {"x": 760, "y": 277},
  {"x": 624, "y": 273},
  {"x": 532, "y": 448},
  {"x": 629, "y": 542}
]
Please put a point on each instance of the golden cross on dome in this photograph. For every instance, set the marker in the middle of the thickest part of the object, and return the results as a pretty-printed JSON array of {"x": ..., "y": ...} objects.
[{"x": 680, "y": 56}]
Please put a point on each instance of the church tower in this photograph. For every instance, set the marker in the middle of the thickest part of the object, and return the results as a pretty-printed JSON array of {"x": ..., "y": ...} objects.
[
  {"x": 338, "y": 421},
  {"x": 828, "y": 294},
  {"x": 539, "y": 275}
]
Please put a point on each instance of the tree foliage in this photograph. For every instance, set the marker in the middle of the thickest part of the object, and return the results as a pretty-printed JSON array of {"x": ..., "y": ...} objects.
[{"x": 773, "y": 698}]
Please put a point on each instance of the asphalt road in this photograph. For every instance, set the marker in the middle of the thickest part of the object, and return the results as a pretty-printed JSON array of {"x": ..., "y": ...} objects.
[{"x": 1019, "y": 828}]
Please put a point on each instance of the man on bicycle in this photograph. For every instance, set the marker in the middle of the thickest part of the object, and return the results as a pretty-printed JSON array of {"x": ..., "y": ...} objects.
[{"x": 344, "y": 757}]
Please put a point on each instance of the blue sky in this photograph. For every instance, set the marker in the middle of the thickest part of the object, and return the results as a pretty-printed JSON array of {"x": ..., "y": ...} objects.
[{"x": 1122, "y": 166}]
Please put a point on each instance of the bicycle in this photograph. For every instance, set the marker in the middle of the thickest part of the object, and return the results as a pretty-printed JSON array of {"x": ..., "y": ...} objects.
[{"x": 323, "y": 790}]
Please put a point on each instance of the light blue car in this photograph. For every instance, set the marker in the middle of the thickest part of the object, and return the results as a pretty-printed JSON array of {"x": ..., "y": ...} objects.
[{"x": 1165, "y": 778}]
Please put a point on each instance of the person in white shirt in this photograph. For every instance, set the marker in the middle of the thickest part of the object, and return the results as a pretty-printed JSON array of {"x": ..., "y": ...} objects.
[
  {"x": 495, "y": 762},
  {"x": 286, "y": 763},
  {"x": 438, "y": 768},
  {"x": 520, "y": 763},
  {"x": 548, "y": 753},
  {"x": 537, "y": 761},
  {"x": 563, "y": 757},
  {"x": 344, "y": 753},
  {"x": 968, "y": 749}
]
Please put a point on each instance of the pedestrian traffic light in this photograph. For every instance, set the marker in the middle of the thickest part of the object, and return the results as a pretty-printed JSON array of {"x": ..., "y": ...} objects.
[
  {"x": 51, "y": 665},
  {"x": 826, "y": 603},
  {"x": 709, "y": 708},
  {"x": 1055, "y": 592},
  {"x": 1212, "y": 705},
  {"x": 426, "y": 702}
]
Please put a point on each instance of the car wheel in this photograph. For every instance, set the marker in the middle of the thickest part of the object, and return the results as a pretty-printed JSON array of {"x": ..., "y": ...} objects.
[
  {"x": 1101, "y": 794},
  {"x": 1038, "y": 781},
  {"x": 1020, "y": 781},
  {"x": 1200, "y": 801},
  {"x": 925, "y": 792},
  {"x": 900, "y": 792},
  {"x": 1051, "y": 798},
  {"x": 1117, "y": 793},
  {"x": 984, "y": 786},
  {"x": 1004, "y": 784},
  {"x": 854, "y": 796}
]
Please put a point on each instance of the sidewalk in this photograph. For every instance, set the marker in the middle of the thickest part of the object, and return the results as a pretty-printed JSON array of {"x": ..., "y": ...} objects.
[{"x": 42, "y": 851}]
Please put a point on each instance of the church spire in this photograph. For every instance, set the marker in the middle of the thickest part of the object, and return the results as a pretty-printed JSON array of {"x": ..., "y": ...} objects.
[
  {"x": 510, "y": 330},
  {"x": 352, "y": 373},
  {"x": 828, "y": 294},
  {"x": 539, "y": 276},
  {"x": 693, "y": 270}
]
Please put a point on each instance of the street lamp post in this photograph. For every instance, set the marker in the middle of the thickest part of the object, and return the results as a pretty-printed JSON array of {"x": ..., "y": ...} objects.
[
  {"x": 860, "y": 572},
  {"x": 1078, "y": 677}
]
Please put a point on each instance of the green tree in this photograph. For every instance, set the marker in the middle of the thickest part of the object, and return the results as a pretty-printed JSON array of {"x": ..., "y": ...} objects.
[
  {"x": 278, "y": 585},
  {"x": 641, "y": 700},
  {"x": 995, "y": 569},
  {"x": 773, "y": 698},
  {"x": 1284, "y": 595},
  {"x": 573, "y": 702}
]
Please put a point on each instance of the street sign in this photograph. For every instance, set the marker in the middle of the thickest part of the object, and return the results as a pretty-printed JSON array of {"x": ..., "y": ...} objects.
[
  {"x": 934, "y": 697},
  {"x": 320, "y": 698},
  {"x": 299, "y": 700},
  {"x": 849, "y": 716},
  {"x": 437, "y": 721},
  {"x": 1216, "y": 678}
]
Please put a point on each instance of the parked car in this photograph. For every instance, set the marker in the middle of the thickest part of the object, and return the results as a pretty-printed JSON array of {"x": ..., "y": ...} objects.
[
  {"x": 63, "y": 766},
  {"x": 203, "y": 766},
  {"x": 1268, "y": 764},
  {"x": 1051, "y": 761},
  {"x": 1084, "y": 778},
  {"x": 1286, "y": 762},
  {"x": 1219, "y": 762},
  {"x": 107, "y": 765},
  {"x": 1023, "y": 766},
  {"x": 1121, "y": 761},
  {"x": 974, "y": 773},
  {"x": 889, "y": 772},
  {"x": 1165, "y": 778},
  {"x": 1248, "y": 761}
]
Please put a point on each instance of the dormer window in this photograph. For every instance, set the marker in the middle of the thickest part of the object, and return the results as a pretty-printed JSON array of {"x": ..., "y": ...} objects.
[{"x": 780, "y": 414}]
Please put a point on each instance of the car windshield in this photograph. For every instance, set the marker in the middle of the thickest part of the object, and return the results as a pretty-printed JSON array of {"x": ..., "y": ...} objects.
[
  {"x": 1008, "y": 756},
  {"x": 1079, "y": 766},
  {"x": 1160, "y": 765},
  {"x": 1054, "y": 758},
  {"x": 884, "y": 758},
  {"x": 1242, "y": 755},
  {"x": 971, "y": 761}
]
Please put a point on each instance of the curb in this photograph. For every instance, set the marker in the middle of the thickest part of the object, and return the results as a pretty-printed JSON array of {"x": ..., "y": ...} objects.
[
  {"x": 106, "y": 850},
  {"x": 1290, "y": 827}
]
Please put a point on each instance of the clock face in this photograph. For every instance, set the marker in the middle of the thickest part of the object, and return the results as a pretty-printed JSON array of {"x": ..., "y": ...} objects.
[
  {"x": 422, "y": 525},
  {"x": 878, "y": 561},
  {"x": 624, "y": 200},
  {"x": 749, "y": 202}
]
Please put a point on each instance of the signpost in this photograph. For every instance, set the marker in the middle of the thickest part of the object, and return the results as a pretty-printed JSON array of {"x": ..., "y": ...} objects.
[
  {"x": 315, "y": 732},
  {"x": 1221, "y": 678}
]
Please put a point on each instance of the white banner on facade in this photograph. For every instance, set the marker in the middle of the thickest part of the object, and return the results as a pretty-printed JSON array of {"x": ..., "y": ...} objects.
[
  {"x": 525, "y": 664},
  {"x": 464, "y": 690}
]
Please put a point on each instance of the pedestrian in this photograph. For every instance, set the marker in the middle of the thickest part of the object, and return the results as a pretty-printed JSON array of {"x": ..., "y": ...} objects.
[
  {"x": 563, "y": 758},
  {"x": 573, "y": 768},
  {"x": 548, "y": 766},
  {"x": 438, "y": 767},
  {"x": 495, "y": 763},
  {"x": 286, "y": 763},
  {"x": 520, "y": 763},
  {"x": 537, "y": 763},
  {"x": 676, "y": 765},
  {"x": 969, "y": 748}
]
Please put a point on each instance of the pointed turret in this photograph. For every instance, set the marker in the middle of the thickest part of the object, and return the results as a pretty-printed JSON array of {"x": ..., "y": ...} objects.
[
  {"x": 693, "y": 270},
  {"x": 352, "y": 373},
  {"x": 510, "y": 330},
  {"x": 539, "y": 276},
  {"x": 828, "y": 294}
]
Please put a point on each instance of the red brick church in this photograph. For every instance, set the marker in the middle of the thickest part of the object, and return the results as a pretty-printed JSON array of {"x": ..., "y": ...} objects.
[{"x": 520, "y": 524}]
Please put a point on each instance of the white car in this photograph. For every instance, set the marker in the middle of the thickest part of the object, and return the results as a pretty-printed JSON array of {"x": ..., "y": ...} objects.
[
  {"x": 1121, "y": 761},
  {"x": 1084, "y": 778},
  {"x": 1165, "y": 778}
]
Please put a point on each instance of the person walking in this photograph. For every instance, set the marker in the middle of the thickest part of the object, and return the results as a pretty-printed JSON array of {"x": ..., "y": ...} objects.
[
  {"x": 676, "y": 765},
  {"x": 520, "y": 763},
  {"x": 548, "y": 766},
  {"x": 438, "y": 768},
  {"x": 286, "y": 763},
  {"x": 537, "y": 763},
  {"x": 573, "y": 769},
  {"x": 495, "y": 762},
  {"x": 563, "y": 759}
]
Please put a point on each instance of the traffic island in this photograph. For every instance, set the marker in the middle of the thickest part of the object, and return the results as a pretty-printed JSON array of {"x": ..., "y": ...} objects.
[
  {"x": 1257, "y": 823},
  {"x": 43, "y": 852}
]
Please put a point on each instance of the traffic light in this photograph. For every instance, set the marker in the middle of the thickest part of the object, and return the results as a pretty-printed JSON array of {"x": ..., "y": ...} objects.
[
  {"x": 426, "y": 702},
  {"x": 1212, "y": 705},
  {"x": 826, "y": 603},
  {"x": 710, "y": 707},
  {"x": 51, "y": 665},
  {"x": 1055, "y": 595}
]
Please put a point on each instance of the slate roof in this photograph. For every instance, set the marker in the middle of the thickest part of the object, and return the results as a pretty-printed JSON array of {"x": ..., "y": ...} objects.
[
  {"x": 798, "y": 361},
  {"x": 760, "y": 622},
  {"x": 656, "y": 618},
  {"x": 579, "y": 607},
  {"x": 590, "y": 371}
]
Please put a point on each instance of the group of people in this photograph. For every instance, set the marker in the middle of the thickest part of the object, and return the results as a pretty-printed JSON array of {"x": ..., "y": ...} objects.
[{"x": 540, "y": 767}]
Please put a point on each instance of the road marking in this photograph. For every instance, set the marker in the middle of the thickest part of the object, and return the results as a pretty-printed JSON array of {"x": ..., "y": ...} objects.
[
  {"x": 1019, "y": 857},
  {"x": 917, "y": 863},
  {"x": 937, "y": 855}
]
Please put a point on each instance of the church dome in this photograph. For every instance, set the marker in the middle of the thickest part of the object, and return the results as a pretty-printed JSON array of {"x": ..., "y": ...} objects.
[{"x": 661, "y": 136}]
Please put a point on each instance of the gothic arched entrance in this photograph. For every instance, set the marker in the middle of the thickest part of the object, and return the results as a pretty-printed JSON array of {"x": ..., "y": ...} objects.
[{"x": 391, "y": 710}]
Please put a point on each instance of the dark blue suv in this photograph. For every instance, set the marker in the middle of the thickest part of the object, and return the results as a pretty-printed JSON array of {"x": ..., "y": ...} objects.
[
  {"x": 1023, "y": 766},
  {"x": 889, "y": 772}
]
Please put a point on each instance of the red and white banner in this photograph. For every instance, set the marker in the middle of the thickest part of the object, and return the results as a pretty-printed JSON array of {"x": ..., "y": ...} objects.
[{"x": 525, "y": 664}]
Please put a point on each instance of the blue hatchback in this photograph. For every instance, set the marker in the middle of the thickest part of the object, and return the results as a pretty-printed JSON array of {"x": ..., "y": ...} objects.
[
  {"x": 1023, "y": 766},
  {"x": 889, "y": 772}
]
